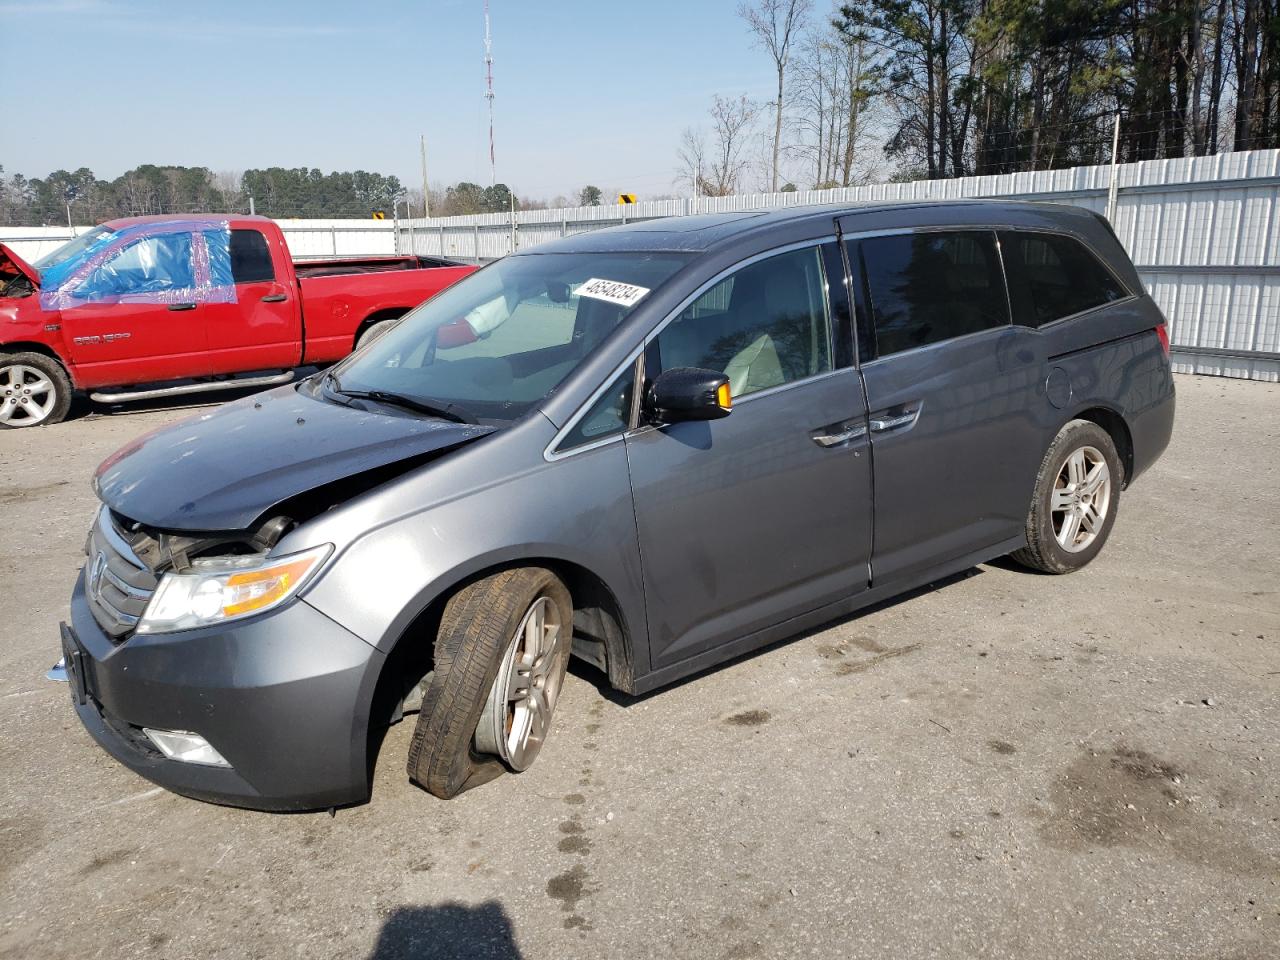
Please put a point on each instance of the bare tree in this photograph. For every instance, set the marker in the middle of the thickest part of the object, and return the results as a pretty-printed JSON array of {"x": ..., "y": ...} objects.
[
  {"x": 776, "y": 24},
  {"x": 692, "y": 155},
  {"x": 732, "y": 119}
]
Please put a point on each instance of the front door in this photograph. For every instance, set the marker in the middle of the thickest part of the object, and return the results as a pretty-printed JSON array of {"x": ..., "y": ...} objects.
[
  {"x": 135, "y": 317},
  {"x": 766, "y": 514},
  {"x": 953, "y": 395}
]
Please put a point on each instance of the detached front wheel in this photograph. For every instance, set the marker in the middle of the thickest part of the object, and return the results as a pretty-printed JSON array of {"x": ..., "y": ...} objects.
[
  {"x": 34, "y": 390},
  {"x": 500, "y": 660}
]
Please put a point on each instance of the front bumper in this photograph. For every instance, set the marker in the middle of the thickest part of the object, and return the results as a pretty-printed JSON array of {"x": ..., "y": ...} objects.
[{"x": 284, "y": 697}]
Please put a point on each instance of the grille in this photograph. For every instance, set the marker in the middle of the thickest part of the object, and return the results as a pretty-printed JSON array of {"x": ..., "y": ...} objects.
[{"x": 118, "y": 584}]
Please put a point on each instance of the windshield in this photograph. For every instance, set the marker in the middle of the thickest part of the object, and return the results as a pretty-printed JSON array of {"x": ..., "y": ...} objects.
[
  {"x": 72, "y": 249},
  {"x": 499, "y": 341}
]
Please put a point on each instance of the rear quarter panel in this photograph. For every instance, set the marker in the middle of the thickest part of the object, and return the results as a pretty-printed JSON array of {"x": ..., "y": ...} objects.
[{"x": 333, "y": 308}]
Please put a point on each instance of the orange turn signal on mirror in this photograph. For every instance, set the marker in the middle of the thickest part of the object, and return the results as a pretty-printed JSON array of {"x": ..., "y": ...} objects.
[{"x": 724, "y": 397}]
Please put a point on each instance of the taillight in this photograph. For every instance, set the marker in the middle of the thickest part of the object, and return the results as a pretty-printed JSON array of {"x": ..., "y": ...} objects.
[{"x": 1162, "y": 332}]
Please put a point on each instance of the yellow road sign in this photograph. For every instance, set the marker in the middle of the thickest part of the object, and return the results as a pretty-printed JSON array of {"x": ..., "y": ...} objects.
[
  {"x": 379, "y": 215},
  {"x": 626, "y": 198}
]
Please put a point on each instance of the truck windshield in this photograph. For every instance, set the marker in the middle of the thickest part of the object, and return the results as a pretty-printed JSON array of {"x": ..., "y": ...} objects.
[
  {"x": 499, "y": 341},
  {"x": 73, "y": 249}
]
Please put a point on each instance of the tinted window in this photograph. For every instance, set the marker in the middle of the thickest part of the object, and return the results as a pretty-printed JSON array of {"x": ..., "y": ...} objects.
[
  {"x": 1052, "y": 276},
  {"x": 607, "y": 416},
  {"x": 929, "y": 287},
  {"x": 763, "y": 326},
  {"x": 250, "y": 258}
]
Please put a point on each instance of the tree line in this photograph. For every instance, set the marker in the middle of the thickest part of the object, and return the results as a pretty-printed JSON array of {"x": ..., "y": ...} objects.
[
  {"x": 276, "y": 192},
  {"x": 910, "y": 89}
]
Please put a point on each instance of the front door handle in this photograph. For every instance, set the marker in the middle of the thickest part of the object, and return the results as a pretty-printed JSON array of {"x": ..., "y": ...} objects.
[
  {"x": 275, "y": 298},
  {"x": 828, "y": 437},
  {"x": 881, "y": 424},
  {"x": 182, "y": 306}
]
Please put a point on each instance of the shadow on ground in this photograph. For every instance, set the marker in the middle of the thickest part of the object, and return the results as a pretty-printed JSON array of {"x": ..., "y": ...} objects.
[{"x": 452, "y": 930}]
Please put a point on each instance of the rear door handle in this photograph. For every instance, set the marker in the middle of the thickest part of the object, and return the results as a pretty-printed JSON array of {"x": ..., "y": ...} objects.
[
  {"x": 881, "y": 424},
  {"x": 833, "y": 437},
  {"x": 182, "y": 306},
  {"x": 275, "y": 298}
]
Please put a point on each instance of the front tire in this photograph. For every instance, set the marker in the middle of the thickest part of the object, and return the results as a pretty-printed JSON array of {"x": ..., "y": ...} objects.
[
  {"x": 500, "y": 659},
  {"x": 1077, "y": 496},
  {"x": 34, "y": 391}
]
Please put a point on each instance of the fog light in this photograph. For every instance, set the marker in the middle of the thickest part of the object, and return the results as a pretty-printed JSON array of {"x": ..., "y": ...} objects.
[{"x": 184, "y": 746}]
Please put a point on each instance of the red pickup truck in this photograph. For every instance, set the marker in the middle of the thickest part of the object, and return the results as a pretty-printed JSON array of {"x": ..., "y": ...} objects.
[{"x": 142, "y": 302}]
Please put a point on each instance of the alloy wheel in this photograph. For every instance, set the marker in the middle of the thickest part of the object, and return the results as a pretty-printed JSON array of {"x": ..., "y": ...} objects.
[
  {"x": 27, "y": 395},
  {"x": 1081, "y": 498},
  {"x": 517, "y": 714}
]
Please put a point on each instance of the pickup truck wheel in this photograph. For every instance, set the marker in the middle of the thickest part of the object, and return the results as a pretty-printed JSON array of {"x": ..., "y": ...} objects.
[
  {"x": 1076, "y": 498},
  {"x": 374, "y": 332},
  {"x": 34, "y": 390},
  {"x": 500, "y": 660}
]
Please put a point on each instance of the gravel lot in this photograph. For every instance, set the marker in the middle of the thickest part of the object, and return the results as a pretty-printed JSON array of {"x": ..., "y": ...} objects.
[{"x": 1006, "y": 765}]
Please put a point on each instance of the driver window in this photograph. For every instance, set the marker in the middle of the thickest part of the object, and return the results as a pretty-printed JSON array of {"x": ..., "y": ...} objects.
[
  {"x": 762, "y": 327},
  {"x": 152, "y": 265}
]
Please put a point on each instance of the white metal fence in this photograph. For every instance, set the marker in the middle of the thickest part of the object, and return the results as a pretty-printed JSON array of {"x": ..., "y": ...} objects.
[
  {"x": 1204, "y": 232},
  {"x": 306, "y": 238}
]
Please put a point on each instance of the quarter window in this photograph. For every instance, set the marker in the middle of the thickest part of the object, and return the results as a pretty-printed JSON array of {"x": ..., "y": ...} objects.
[
  {"x": 930, "y": 287},
  {"x": 607, "y": 416},
  {"x": 763, "y": 326},
  {"x": 1052, "y": 276}
]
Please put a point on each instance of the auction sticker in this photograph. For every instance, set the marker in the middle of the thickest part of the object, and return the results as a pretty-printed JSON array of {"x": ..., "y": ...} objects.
[{"x": 626, "y": 294}]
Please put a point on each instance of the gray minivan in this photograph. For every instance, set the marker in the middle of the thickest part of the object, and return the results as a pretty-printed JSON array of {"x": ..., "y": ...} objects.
[{"x": 655, "y": 447}]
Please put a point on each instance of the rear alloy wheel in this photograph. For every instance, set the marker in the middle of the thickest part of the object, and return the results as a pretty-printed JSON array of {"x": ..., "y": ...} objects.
[
  {"x": 1081, "y": 499},
  {"x": 34, "y": 390},
  {"x": 1075, "y": 501}
]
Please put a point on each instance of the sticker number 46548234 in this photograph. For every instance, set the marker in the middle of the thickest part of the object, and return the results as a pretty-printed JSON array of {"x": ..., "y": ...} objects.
[{"x": 626, "y": 294}]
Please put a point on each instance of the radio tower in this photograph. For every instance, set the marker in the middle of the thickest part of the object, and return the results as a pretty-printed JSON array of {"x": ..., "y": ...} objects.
[{"x": 488, "y": 70}]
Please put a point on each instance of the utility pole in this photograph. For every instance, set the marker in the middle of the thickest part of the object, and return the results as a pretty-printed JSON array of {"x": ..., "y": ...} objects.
[
  {"x": 1115, "y": 172},
  {"x": 488, "y": 70},
  {"x": 426, "y": 193},
  {"x": 251, "y": 213}
]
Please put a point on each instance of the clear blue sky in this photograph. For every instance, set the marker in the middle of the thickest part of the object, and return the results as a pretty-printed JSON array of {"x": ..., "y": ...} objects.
[{"x": 587, "y": 91}]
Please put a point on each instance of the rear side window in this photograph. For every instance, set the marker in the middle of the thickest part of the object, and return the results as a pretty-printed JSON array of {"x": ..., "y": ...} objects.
[
  {"x": 250, "y": 258},
  {"x": 929, "y": 287},
  {"x": 1052, "y": 276}
]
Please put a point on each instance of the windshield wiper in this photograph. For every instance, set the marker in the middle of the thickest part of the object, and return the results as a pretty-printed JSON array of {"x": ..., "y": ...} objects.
[{"x": 446, "y": 411}]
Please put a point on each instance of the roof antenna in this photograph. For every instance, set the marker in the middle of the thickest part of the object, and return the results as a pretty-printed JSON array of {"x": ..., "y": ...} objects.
[{"x": 488, "y": 70}]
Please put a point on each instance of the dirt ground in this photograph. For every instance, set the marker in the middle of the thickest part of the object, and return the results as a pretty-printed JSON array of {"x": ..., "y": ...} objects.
[{"x": 1005, "y": 765}]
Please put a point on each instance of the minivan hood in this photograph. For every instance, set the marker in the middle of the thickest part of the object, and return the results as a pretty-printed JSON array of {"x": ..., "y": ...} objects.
[
  {"x": 12, "y": 265},
  {"x": 223, "y": 470}
]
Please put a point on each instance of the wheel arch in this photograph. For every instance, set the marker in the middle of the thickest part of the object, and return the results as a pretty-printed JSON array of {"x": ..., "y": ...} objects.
[
  {"x": 32, "y": 346},
  {"x": 602, "y": 636},
  {"x": 1112, "y": 421}
]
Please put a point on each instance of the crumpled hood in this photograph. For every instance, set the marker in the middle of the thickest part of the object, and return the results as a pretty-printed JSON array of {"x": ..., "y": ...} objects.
[
  {"x": 12, "y": 265},
  {"x": 224, "y": 469}
]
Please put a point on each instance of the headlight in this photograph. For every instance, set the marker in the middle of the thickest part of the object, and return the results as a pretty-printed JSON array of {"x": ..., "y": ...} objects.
[{"x": 226, "y": 588}]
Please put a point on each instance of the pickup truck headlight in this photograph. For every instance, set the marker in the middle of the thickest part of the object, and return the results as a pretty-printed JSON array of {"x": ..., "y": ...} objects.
[{"x": 227, "y": 588}]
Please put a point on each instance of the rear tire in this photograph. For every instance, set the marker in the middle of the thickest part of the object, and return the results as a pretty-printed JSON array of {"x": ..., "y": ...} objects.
[
  {"x": 477, "y": 651},
  {"x": 375, "y": 331},
  {"x": 1077, "y": 495},
  {"x": 34, "y": 391}
]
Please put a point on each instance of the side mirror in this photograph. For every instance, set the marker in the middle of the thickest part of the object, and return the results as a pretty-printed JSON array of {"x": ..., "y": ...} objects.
[{"x": 688, "y": 393}]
